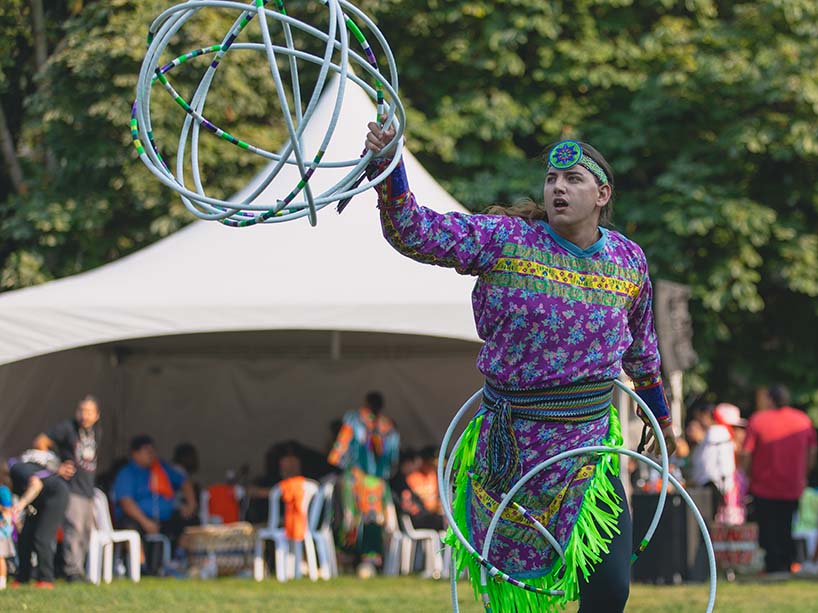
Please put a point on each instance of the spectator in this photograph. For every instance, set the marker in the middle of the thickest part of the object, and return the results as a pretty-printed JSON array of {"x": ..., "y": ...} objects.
[
  {"x": 6, "y": 522},
  {"x": 779, "y": 451},
  {"x": 422, "y": 493},
  {"x": 713, "y": 461},
  {"x": 292, "y": 492},
  {"x": 186, "y": 462},
  {"x": 367, "y": 451},
  {"x": 732, "y": 512},
  {"x": 695, "y": 427},
  {"x": 258, "y": 491},
  {"x": 37, "y": 478},
  {"x": 144, "y": 493},
  {"x": 290, "y": 461},
  {"x": 186, "y": 459},
  {"x": 762, "y": 399},
  {"x": 408, "y": 462},
  {"x": 282, "y": 461},
  {"x": 76, "y": 441}
]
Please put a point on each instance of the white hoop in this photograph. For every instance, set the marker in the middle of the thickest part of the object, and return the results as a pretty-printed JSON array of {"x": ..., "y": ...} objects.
[{"x": 337, "y": 59}]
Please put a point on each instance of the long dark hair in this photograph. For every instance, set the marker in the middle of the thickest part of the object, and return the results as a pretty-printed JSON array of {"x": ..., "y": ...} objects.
[{"x": 531, "y": 210}]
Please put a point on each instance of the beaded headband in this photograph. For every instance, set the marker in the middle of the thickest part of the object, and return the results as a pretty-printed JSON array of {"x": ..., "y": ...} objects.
[{"x": 568, "y": 154}]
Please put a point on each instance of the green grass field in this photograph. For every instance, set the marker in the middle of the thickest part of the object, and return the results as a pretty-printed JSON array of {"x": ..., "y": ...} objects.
[{"x": 379, "y": 595}]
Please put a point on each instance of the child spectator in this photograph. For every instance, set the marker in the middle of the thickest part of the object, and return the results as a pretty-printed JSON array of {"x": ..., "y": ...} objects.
[
  {"x": 732, "y": 511},
  {"x": 37, "y": 479},
  {"x": 6, "y": 525}
]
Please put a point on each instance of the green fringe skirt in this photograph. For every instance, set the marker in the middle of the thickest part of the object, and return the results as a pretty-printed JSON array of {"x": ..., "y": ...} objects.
[{"x": 574, "y": 499}]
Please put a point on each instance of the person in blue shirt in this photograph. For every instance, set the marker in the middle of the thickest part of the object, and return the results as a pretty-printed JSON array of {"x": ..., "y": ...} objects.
[{"x": 144, "y": 493}]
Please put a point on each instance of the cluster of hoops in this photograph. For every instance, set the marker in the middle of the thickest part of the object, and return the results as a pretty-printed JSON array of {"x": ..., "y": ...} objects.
[
  {"x": 489, "y": 569},
  {"x": 337, "y": 58}
]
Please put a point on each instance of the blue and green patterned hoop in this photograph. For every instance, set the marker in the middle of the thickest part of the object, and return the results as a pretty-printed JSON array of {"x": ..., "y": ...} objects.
[{"x": 336, "y": 58}]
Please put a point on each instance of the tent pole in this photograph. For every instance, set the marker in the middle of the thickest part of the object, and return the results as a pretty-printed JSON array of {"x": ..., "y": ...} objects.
[
  {"x": 676, "y": 392},
  {"x": 117, "y": 358},
  {"x": 335, "y": 345}
]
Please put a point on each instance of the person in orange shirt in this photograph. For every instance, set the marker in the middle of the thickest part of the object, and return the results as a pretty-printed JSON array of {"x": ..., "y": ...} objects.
[{"x": 421, "y": 499}]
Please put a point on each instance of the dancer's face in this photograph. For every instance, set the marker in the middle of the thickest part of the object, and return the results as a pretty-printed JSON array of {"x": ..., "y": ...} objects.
[{"x": 573, "y": 199}]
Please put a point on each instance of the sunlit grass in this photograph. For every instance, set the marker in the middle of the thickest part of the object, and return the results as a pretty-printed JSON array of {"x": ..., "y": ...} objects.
[{"x": 381, "y": 595}]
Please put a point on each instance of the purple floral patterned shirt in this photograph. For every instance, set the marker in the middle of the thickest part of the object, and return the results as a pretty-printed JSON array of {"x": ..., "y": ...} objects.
[{"x": 549, "y": 312}]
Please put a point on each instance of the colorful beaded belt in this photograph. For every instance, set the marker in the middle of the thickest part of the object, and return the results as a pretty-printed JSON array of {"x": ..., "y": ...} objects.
[
  {"x": 579, "y": 402},
  {"x": 573, "y": 403}
]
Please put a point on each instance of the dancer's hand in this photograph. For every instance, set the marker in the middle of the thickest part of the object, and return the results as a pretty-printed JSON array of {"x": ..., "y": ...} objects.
[
  {"x": 670, "y": 441},
  {"x": 378, "y": 139}
]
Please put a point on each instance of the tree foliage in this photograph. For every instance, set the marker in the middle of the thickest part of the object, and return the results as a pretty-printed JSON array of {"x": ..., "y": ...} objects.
[
  {"x": 707, "y": 109},
  {"x": 102, "y": 203}
]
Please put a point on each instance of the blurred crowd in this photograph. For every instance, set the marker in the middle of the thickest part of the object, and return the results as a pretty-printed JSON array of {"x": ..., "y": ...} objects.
[
  {"x": 53, "y": 495},
  {"x": 758, "y": 466}
]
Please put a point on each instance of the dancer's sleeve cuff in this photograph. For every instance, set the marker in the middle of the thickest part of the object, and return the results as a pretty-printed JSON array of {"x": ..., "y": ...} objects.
[
  {"x": 652, "y": 392},
  {"x": 393, "y": 191}
]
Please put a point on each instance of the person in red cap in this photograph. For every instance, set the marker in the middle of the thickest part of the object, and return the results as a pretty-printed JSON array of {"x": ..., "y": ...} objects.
[
  {"x": 733, "y": 510},
  {"x": 714, "y": 459},
  {"x": 779, "y": 451}
]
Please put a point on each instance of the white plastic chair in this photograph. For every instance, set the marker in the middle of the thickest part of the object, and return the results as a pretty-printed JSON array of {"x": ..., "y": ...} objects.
[
  {"x": 810, "y": 538},
  {"x": 429, "y": 540},
  {"x": 320, "y": 524},
  {"x": 288, "y": 563},
  {"x": 394, "y": 542},
  {"x": 101, "y": 544},
  {"x": 805, "y": 529},
  {"x": 205, "y": 517}
]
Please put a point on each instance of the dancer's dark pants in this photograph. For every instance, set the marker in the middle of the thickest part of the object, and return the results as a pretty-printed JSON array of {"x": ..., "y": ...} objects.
[{"x": 607, "y": 588}]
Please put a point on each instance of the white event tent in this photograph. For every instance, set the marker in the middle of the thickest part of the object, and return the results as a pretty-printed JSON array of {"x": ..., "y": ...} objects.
[{"x": 234, "y": 339}]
